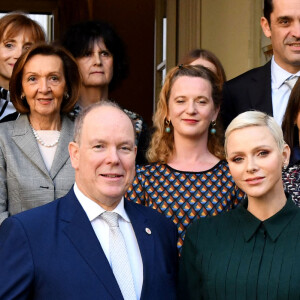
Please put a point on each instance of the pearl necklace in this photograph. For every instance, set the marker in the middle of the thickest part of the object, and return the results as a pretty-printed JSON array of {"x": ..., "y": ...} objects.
[{"x": 38, "y": 138}]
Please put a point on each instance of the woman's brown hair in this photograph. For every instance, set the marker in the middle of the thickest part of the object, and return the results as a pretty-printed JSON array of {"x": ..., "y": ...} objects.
[
  {"x": 71, "y": 73},
  {"x": 12, "y": 24},
  {"x": 209, "y": 56}
]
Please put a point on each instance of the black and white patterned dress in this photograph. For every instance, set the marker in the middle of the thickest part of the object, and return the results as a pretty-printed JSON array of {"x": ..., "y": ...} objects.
[
  {"x": 291, "y": 182},
  {"x": 6, "y": 107}
]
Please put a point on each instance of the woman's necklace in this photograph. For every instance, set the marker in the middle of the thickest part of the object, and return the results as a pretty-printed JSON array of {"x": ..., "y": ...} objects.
[{"x": 38, "y": 138}]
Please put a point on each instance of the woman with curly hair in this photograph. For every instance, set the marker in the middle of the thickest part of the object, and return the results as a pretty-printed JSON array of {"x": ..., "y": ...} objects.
[{"x": 187, "y": 177}]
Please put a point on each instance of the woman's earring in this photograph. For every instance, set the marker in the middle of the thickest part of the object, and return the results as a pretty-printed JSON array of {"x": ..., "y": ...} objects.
[
  {"x": 66, "y": 95},
  {"x": 213, "y": 125},
  {"x": 168, "y": 129},
  {"x": 22, "y": 97}
]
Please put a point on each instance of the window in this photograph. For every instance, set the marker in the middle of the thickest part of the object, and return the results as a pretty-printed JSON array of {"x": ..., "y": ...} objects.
[
  {"x": 46, "y": 22},
  {"x": 165, "y": 42}
]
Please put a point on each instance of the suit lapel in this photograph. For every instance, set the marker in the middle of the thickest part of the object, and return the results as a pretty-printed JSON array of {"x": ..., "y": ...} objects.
[
  {"x": 261, "y": 90},
  {"x": 145, "y": 241},
  {"x": 23, "y": 137},
  {"x": 62, "y": 153},
  {"x": 80, "y": 231}
]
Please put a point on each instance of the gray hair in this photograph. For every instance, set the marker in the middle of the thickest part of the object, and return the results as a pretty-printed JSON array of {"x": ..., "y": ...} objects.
[
  {"x": 256, "y": 118},
  {"x": 81, "y": 116}
]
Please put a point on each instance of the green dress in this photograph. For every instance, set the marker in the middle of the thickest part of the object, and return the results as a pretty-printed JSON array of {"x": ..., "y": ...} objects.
[{"x": 236, "y": 256}]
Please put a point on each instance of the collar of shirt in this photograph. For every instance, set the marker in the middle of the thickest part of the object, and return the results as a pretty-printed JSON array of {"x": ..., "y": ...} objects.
[
  {"x": 4, "y": 94},
  {"x": 279, "y": 75},
  {"x": 94, "y": 210},
  {"x": 273, "y": 226}
]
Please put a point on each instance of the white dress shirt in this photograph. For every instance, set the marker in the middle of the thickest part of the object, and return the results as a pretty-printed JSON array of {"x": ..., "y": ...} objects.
[
  {"x": 280, "y": 91},
  {"x": 48, "y": 153},
  {"x": 101, "y": 229}
]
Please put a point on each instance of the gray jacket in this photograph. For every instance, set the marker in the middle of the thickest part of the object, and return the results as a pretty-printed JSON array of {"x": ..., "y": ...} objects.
[{"x": 25, "y": 181}]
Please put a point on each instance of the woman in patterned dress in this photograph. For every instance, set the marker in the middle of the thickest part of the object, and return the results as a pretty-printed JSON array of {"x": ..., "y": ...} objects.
[
  {"x": 290, "y": 128},
  {"x": 188, "y": 177}
]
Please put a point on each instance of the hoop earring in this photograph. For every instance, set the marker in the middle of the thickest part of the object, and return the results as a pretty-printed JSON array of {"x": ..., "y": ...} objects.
[
  {"x": 167, "y": 129},
  {"x": 23, "y": 97},
  {"x": 213, "y": 125},
  {"x": 66, "y": 95}
]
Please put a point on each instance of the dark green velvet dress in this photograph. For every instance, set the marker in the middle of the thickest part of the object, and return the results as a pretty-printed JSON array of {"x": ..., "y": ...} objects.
[{"x": 236, "y": 256}]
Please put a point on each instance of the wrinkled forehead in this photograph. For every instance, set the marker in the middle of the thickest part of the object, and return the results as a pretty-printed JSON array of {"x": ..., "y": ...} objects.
[
  {"x": 285, "y": 8},
  {"x": 53, "y": 63},
  {"x": 106, "y": 122}
]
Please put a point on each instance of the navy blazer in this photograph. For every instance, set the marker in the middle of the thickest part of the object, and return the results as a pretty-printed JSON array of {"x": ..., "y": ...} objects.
[
  {"x": 52, "y": 252},
  {"x": 249, "y": 91}
]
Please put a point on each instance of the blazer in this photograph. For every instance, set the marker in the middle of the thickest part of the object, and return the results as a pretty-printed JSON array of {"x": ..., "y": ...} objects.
[
  {"x": 249, "y": 91},
  {"x": 52, "y": 252},
  {"x": 24, "y": 179}
]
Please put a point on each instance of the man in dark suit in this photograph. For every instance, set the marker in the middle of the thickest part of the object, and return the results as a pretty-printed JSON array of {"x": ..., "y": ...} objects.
[
  {"x": 68, "y": 250},
  {"x": 268, "y": 88}
]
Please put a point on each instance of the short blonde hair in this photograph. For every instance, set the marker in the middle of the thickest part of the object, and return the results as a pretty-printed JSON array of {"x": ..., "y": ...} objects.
[{"x": 256, "y": 118}]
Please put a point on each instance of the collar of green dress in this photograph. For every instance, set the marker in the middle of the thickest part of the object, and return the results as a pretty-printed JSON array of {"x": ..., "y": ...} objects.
[{"x": 272, "y": 226}]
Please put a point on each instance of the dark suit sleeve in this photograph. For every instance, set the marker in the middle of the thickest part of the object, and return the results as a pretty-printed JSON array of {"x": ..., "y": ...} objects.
[
  {"x": 175, "y": 249},
  {"x": 16, "y": 271},
  {"x": 249, "y": 91},
  {"x": 189, "y": 277},
  {"x": 227, "y": 108}
]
